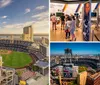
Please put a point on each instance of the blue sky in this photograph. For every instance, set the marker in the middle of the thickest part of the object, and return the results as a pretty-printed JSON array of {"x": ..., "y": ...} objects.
[
  {"x": 15, "y": 14},
  {"x": 77, "y": 48}
]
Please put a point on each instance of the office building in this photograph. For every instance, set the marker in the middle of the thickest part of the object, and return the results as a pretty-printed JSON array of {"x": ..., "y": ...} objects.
[
  {"x": 45, "y": 41},
  {"x": 44, "y": 50},
  {"x": 82, "y": 77},
  {"x": 57, "y": 60},
  {"x": 75, "y": 71},
  {"x": 93, "y": 79},
  {"x": 6, "y": 75},
  {"x": 28, "y": 33}
]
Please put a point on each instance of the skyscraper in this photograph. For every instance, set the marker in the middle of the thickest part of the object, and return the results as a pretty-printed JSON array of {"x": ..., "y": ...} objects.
[{"x": 28, "y": 33}]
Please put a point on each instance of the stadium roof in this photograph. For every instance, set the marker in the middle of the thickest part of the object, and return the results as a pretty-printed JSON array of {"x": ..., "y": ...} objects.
[
  {"x": 39, "y": 55},
  {"x": 42, "y": 64}
]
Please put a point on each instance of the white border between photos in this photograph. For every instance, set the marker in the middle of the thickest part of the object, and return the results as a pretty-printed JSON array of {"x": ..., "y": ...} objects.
[{"x": 49, "y": 40}]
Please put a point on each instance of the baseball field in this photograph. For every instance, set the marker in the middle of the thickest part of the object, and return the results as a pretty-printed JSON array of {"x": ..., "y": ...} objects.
[{"x": 15, "y": 59}]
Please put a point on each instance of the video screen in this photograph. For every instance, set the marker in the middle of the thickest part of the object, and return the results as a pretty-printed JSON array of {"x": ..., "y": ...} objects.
[
  {"x": 93, "y": 14},
  {"x": 59, "y": 14}
]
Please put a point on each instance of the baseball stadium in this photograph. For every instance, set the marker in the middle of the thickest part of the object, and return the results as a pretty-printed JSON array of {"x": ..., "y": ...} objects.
[
  {"x": 24, "y": 56},
  {"x": 17, "y": 53}
]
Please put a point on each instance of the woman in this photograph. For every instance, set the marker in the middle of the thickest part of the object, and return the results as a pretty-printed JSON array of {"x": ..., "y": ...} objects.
[
  {"x": 53, "y": 19},
  {"x": 73, "y": 29},
  {"x": 67, "y": 27}
]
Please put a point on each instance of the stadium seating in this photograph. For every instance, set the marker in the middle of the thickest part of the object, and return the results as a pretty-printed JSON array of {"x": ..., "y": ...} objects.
[{"x": 22, "y": 46}]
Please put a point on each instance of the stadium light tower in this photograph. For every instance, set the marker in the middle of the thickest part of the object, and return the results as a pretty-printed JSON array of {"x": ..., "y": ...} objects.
[
  {"x": 1, "y": 61},
  {"x": 0, "y": 64},
  {"x": 68, "y": 54}
]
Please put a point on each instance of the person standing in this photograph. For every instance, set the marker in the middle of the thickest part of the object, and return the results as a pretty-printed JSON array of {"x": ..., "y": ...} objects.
[
  {"x": 62, "y": 21},
  {"x": 72, "y": 30},
  {"x": 53, "y": 19},
  {"x": 86, "y": 21},
  {"x": 67, "y": 27},
  {"x": 77, "y": 20}
]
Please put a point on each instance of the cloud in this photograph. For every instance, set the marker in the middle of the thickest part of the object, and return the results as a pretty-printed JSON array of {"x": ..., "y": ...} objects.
[
  {"x": 4, "y": 17},
  {"x": 14, "y": 28},
  {"x": 41, "y": 16},
  {"x": 4, "y": 22},
  {"x": 18, "y": 26},
  {"x": 39, "y": 26},
  {"x": 27, "y": 10},
  {"x": 40, "y": 7},
  {"x": 4, "y": 3},
  {"x": 42, "y": 25}
]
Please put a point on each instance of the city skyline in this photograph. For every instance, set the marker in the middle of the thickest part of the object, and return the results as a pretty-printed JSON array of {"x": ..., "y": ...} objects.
[
  {"x": 16, "y": 14},
  {"x": 77, "y": 48}
]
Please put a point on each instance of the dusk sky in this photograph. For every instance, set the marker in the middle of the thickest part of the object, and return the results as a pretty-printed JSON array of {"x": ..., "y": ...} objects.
[
  {"x": 77, "y": 48},
  {"x": 15, "y": 14}
]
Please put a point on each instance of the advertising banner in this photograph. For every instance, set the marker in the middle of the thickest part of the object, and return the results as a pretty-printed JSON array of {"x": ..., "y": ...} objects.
[{"x": 86, "y": 21}]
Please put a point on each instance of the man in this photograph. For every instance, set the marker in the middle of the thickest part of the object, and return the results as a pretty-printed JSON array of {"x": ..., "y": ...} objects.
[
  {"x": 77, "y": 20},
  {"x": 62, "y": 21}
]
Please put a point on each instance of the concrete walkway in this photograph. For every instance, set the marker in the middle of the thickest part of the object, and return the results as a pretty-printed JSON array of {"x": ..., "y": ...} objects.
[{"x": 44, "y": 80}]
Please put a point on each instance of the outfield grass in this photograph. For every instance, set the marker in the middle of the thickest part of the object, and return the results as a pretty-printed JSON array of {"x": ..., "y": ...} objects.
[
  {"x": 82, "y": 68},
  {"x": 16, "y": 59}
]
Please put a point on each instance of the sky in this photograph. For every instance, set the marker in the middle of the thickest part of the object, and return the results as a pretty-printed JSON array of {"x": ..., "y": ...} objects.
[
  {"x": 16, "y": 14},
  {"x": 77, "y": 48}
]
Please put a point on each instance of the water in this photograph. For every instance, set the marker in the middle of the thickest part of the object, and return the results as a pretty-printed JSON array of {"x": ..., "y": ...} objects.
[{"x": 19, "y": 36}]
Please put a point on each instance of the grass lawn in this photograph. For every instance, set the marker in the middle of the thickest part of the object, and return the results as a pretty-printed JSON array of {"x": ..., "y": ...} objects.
[
  {"x": 82, "y": 68},
  {"x": 16, "y": 59}
]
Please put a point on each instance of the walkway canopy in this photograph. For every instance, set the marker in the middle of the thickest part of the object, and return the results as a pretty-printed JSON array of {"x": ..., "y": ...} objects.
[{"x": 43, "y": 67}]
